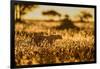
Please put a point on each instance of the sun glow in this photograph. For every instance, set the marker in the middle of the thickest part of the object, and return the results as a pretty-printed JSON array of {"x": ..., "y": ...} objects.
[{"x": 72, "y": 11}]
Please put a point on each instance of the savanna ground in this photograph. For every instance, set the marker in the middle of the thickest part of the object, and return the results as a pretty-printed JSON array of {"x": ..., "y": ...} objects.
[{"x": 75, "y": 45}]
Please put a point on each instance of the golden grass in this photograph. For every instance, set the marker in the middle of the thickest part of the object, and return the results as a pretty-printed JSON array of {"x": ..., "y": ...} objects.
[{"x": 73, "y": 47}]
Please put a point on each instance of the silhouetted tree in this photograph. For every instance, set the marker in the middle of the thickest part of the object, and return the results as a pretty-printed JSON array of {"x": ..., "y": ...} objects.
[
  {"x": 85, "y": 16},
  {"x": 52, "y": 13},
  {"x": 22, "y": 9},
  {"x": 67, "y": 23}
]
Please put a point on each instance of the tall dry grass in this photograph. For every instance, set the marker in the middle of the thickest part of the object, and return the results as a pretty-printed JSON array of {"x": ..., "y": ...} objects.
[{"x": 75, "y": 46}]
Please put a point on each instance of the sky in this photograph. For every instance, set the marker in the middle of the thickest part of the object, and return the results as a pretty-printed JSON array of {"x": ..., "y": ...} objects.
[{"x": 72, "y": 11}]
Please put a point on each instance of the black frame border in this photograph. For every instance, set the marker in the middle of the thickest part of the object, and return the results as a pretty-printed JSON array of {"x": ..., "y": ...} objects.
[{"x": 12, "y": 32}]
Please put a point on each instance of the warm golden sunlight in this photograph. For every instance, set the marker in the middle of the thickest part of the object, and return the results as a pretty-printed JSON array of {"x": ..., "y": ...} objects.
[
  {"x": 72, "y": 11},
  {"x": 46, "y": 34}
]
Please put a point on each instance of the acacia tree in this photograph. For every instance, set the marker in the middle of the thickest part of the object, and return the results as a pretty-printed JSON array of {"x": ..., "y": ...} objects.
[
  {"x": 85, "y": 16},
  {"x": 67, "y": 23},
  {"x": 51, "y": 13},
  {"x": 22, "y": 9}
]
